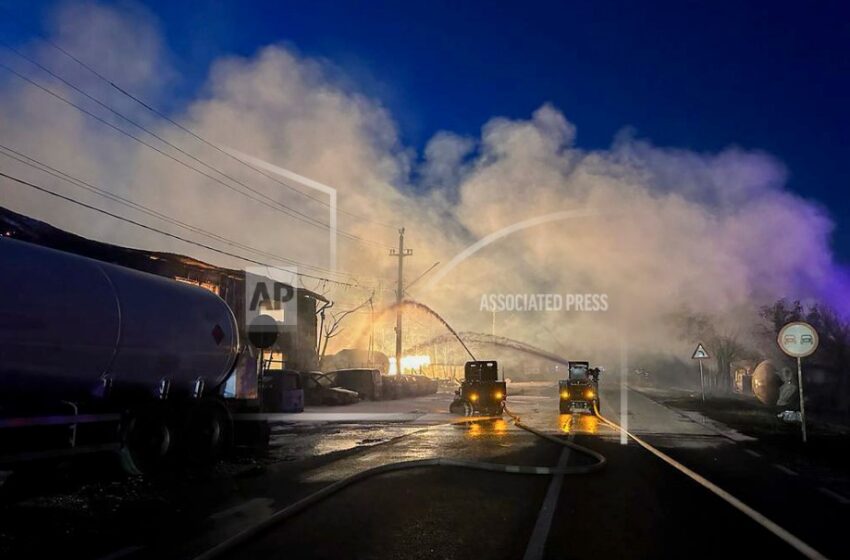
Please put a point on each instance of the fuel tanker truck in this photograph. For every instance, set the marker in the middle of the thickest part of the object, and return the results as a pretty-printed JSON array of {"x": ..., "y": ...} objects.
[{"x": 95, "y": 356}]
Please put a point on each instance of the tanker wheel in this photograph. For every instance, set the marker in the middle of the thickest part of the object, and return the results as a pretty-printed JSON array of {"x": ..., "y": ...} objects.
[
  {"x": 146, "y": 441},
  {"x": 207, "y": 432}
]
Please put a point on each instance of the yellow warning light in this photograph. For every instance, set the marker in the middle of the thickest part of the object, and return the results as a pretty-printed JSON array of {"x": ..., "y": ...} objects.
[
  {"x": 565, "y": 394},
  {"x": 473, "y": 397},
  {"x": 498, "y": 395},
  {"x": 589, "y": 393}
]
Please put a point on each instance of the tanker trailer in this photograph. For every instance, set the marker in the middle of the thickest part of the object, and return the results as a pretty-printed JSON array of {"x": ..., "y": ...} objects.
[{"x": 91, "y": 351}]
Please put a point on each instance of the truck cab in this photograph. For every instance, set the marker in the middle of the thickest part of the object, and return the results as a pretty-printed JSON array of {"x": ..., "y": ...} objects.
[{"x": 579, "y": 392}]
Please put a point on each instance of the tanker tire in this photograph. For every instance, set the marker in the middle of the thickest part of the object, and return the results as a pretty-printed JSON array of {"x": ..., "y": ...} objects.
[
  {"x": 207, "y": 432},
  {"x": 147, "y": 441}
]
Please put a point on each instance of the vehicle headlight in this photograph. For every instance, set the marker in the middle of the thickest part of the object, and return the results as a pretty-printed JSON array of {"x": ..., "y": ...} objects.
[
  {"x": 565, "y": 394},
  {"x": 473, "y": 397},
  {"x": 498, "y": 395},
  {"x": 589, "y": 394}
]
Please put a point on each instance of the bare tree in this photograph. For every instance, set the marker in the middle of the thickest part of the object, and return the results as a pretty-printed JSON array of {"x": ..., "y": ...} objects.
[
  {"x": 329, "y": 327},
  {"x": 724, "y": 346},
  {"x": 726, "y": 349}
]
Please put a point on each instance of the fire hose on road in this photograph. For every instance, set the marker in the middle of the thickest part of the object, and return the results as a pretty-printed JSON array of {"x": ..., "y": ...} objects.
[
  {"x": 289, "y": 511},
  {"x": 305, "y": 503}
]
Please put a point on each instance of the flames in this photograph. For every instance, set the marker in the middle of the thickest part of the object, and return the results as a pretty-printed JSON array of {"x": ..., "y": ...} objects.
[{"x": 410, "y": 364}]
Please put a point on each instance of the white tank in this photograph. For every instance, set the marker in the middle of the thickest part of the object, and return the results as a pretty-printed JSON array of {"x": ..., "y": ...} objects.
[{"x": 78, "y": 328}]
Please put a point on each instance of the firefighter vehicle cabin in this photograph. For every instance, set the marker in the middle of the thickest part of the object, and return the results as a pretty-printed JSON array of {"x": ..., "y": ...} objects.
[
  {"x": 579, "y": 392},
  {"x": 481, "y": 392}
]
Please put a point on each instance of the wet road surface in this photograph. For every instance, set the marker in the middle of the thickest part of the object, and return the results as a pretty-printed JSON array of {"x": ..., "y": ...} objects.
[{"x": 638, "y": 507}]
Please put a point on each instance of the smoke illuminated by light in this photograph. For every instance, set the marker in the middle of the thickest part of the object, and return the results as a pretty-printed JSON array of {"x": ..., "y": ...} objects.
[{"x": 520, "y": 207}]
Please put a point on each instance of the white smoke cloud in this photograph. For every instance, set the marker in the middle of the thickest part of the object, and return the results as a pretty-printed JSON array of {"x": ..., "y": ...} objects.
[{"x": 715, "y": 232}]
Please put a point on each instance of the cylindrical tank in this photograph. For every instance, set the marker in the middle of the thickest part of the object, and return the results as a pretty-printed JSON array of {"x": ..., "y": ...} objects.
[
  {"x": 78, "y": 328},
  {"x": 766, "y": 383}
]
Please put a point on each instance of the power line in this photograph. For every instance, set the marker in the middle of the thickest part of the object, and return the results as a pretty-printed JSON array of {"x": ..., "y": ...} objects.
[
  {"x": 45, "y": 168},
  {"x": 200, "y": 138},
  {"x": 136, "y": 138},
  {"x": 165, "y": 233},
  {"x": 418, "y": 278},
  {"x": 277, "y": 205},
  {"x": 185, "y": 129},
  {"x": 187, "y": 154}
]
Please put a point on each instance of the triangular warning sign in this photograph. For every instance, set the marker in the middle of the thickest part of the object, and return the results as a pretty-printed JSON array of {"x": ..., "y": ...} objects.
[{"x": 700, "y": 353}]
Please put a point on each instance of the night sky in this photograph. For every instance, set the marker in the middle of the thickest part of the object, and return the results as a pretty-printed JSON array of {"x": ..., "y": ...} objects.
[{"x": 769, "y": 76}]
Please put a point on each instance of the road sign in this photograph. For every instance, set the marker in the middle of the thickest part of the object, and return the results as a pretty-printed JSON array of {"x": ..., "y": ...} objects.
[
  {"x": 798, "y": 339},
  {"x": 700, "y": 353}
]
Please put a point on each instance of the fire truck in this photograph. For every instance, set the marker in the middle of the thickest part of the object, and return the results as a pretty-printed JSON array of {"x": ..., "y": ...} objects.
[
  {"x": 579, "y": 392},
  {"x": 481, "y": 392}
]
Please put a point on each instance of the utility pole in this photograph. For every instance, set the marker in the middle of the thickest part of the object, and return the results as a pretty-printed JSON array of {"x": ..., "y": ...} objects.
[{"x": 400, "y": 253}]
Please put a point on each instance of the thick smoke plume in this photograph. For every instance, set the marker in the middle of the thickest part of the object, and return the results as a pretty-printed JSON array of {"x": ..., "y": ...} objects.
[{"x": 661, "y": 231}]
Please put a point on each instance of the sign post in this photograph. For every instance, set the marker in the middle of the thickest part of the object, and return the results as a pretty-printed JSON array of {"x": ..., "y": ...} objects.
[
  {"x": 701, "y": 354},
  {"x": 798, "y": 340}
]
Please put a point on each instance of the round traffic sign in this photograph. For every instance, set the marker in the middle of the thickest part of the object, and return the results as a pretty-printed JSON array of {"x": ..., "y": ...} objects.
[
  {"x": 798, "y": 339},
  {"x": 263, "y": 331}
]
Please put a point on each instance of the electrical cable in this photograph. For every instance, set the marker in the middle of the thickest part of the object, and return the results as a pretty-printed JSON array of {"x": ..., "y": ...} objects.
[
  {"x": 271, "y": 203},
  {"x": 168, "y": 234},
  {"x": 52, "y": 171},
  {"x": 187, "y": 130}
]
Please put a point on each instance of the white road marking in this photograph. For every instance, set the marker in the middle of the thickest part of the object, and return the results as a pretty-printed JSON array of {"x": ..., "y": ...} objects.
[
  {"x": 540, "y": 534},
  {"x": 835, "y": 495},
  {"x": 753, "y": 452},
  {"x": 624, "y": 392},
  {"x": 785, "y": 469},
  {"x": 792, "y": 540}
]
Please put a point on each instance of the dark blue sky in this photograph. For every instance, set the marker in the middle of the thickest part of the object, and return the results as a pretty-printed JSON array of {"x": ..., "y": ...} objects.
[{"x": 772, "y": 76}]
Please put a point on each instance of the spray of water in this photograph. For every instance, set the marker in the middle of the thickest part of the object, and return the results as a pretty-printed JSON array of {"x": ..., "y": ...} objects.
[
  {"x": 481, "y": 339},
  {"x": 422, "y": 307}
]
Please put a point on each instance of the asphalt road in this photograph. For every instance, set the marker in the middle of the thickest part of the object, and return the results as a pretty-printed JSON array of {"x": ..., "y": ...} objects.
[{"x": 638, "y": 507}]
